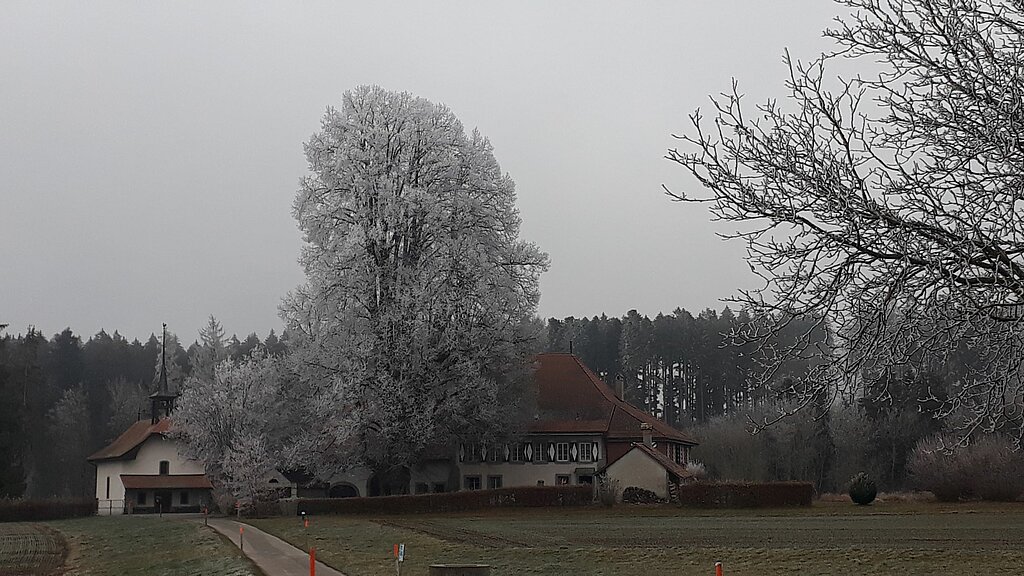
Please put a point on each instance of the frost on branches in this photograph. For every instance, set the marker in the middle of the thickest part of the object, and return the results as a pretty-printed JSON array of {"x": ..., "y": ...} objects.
[
  {"x": 410, "y": 328},
  {"x": 889, "y": 207},
  {"x": 236, "y": 423}
]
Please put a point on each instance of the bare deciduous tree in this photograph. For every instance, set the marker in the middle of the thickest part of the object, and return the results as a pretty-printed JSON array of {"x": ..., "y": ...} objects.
[{"x": 887, "y": 206}]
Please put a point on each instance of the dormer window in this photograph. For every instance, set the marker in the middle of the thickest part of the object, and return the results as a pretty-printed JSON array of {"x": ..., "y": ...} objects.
[{"x": 165, "y": 467}]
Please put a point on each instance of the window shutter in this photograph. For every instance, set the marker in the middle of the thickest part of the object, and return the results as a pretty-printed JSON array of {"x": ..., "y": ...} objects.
[
  {"x": 462, "y": 452},
  {"x": 574, "y": 453},
  {"x": 596, "y": 455},
  {"x": 551, "y": 451},
  {"x": 529, "y": 452},
  {"x": 508, "y": 453}
]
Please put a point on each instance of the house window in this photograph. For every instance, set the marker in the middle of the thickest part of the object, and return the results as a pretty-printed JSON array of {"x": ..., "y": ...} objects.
[
  {"x": 473, "y": 454},
  {"x": 142, "y": 498},
  {"x": 165, "y": 467},
  {"x": 539, "y": 452},
  {"x": 184, "y": 498},
  {"x": 540, "y": 482},
  {"x": 421, "y": 488},
  {"x": 680, "y": 455},
  {"x": 439, "y": 487},
  {"x": 492, "y": 453},
  {"x": 471, "y": 483},
  {"x": 562, "y": 452},
  {"x": 586, "y": 452},
  {"x": 562, "y": 480},
  {"x": 493, "y": 482},
  {"x": 518, "y": 452}
]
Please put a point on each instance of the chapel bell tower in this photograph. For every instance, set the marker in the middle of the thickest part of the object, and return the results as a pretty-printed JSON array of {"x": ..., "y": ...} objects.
[{"x": 162, "y": 401}]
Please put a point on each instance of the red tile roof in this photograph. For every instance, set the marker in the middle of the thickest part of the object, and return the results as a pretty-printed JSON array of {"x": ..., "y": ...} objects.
[
  {"x": 571, "y": 398},
  {"x": 165, "y": 481},
  {"x": 667, "y": 463},
  {"x": 122, "y": 448}
]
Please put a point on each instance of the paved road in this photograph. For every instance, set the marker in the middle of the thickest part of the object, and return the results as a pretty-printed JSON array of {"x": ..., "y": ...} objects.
[{"x": 273, "y": 555}]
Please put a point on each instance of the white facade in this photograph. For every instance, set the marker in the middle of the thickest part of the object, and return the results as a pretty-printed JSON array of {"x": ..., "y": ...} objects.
[
  {"x": 638, "y": 469},
  {"x": 110, "y": 492},
  {"x": 540, "y": 466}
]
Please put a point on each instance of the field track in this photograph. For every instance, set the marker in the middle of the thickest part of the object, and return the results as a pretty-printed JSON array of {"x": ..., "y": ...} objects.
[{"x": 30, "y": 549}]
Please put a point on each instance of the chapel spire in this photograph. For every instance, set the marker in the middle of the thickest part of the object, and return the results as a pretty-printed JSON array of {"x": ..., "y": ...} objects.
[{"x": 162, "y": 401}]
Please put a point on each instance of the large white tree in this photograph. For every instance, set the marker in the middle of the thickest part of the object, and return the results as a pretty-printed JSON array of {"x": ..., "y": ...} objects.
[
  {"x": 410, "y": 330},
  {"x": 889, "y": 206}
]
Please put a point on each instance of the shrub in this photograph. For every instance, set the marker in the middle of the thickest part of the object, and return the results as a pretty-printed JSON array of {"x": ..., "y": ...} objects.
[
  {"x": 637, "y": 495},
  {"x": 746, "y": 494},
  {"x": 987, "y": 468},
  {"x": 36, "y": 510},
  {"x": 607, "y": 490},
  {"x": 697, "y": 469},
  {"x": 525, "y": 497},
  {"x": 997, "y": 469},
  {"x": 862, "y": 489}
]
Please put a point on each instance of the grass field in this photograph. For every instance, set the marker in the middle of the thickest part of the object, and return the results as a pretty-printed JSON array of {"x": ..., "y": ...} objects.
[
  {"x": 829, "y": 538},
  {"x": 118, "y": 546},
  {"x": 30, "y": 548}
]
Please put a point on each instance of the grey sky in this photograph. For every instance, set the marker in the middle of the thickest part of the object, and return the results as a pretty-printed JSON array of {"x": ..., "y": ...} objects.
[{"x": 150, "y": 151}]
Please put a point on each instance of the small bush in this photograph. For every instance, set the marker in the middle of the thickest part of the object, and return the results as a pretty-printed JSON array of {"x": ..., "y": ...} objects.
[
  {"x": 697, "y": 469},
  {"x": 36, "y": 510},
  {"x": 746, "y": 494},
  {"x": 519, "y": 497},
  {"x": 862, "y": 489},
  {"x": 637, "y": 495},
  {"x": 607, "y": 491}
]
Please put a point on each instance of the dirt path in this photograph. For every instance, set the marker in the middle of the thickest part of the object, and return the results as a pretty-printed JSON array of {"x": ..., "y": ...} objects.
[{"x": 274, "y": 556}]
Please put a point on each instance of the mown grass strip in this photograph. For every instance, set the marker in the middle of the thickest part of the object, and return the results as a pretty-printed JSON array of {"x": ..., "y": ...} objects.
[
  {"x": 168, "y": 546},
  {"x": 830, "y": 538}
]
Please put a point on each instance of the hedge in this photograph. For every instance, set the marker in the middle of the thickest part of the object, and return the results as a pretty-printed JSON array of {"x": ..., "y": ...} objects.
[
  {"x": 745, "y": 494},
  {"x": 34, "y": 510},
  {"x": 521, "y": 497}
]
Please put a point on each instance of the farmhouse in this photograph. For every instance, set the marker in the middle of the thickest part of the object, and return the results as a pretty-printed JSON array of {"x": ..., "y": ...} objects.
[
  {"x": 143, "y": 470},
  {"x": 581, "y": 427}
]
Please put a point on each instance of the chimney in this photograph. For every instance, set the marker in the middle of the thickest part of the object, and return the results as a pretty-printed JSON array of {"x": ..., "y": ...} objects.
[
  {"x": 620, "y": 387},
  {"x": 647, "y": 430}
]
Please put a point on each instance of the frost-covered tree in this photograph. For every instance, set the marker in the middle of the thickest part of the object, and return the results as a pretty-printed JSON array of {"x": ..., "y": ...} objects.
[
  {"x": 889, "y": 206},
  {"x": 235, "y": 422},
  {"x": 211, "y": 350},
  {"x": 409, "y": 331}
]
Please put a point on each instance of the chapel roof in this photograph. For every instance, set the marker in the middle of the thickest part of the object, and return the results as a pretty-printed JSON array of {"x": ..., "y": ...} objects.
[{"x": 123, "y": 447}]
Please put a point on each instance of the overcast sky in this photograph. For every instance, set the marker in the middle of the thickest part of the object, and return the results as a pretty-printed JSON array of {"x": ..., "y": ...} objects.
[{"x": 150, "y": 151}]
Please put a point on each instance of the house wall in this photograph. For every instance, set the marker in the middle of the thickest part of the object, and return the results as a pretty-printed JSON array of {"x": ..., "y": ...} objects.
[
  {"x": 638, "y": 469},
  {"x": 531, "y": 473},
  {"x": 147, "y": 461}
]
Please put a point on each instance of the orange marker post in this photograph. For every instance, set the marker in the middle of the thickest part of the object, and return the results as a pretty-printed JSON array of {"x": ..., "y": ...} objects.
[
  {"x": 312, "y": 562},
  {"x": 718, "y": 569},
  {"x": 396, "y": 550},
  {"x": 241, "y": 538}
]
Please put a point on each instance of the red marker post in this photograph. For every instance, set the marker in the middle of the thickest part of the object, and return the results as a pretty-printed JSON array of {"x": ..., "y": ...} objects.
[
  {"x": 312, "y": 562},
  {"x": 718, "y": 569},
  {"x": 241, "y": 538}
]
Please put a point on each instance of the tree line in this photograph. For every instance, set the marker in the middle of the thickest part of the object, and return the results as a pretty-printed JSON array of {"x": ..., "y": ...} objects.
[
  {"x": 63, "y": 398},
  {"x": 683, "y": 368}
]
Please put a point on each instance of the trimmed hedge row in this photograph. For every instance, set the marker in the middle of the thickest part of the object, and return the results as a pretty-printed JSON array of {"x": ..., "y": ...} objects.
[
  {"x": 34, "y": 510},
  {"x": 746, "y": 494},
  {"x": 526, "y": 496}
]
